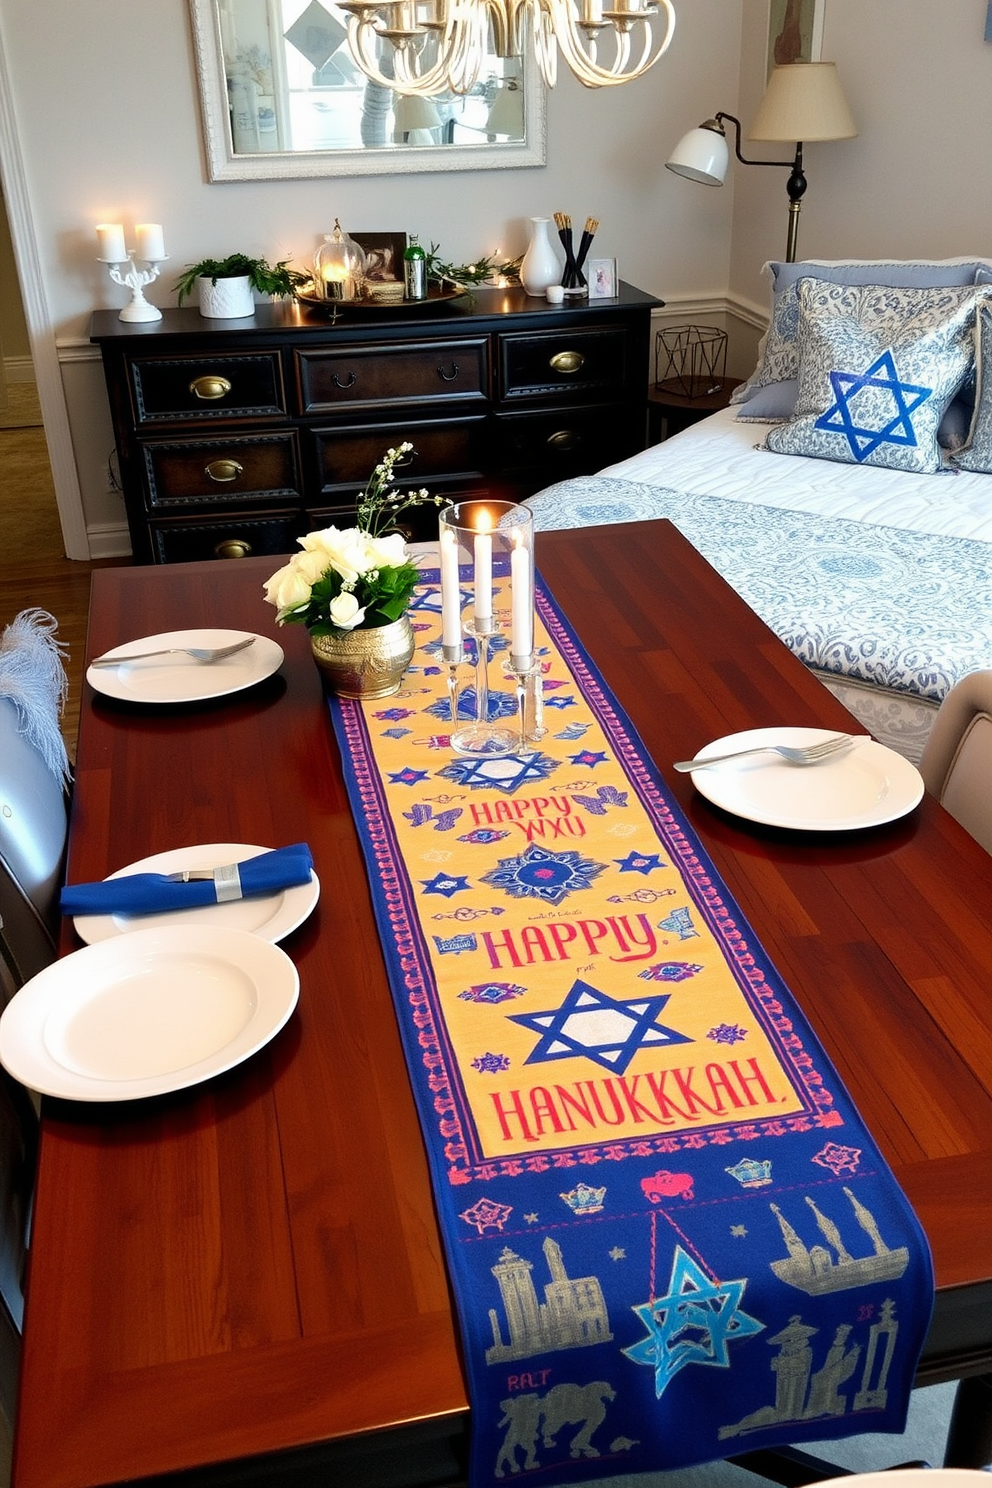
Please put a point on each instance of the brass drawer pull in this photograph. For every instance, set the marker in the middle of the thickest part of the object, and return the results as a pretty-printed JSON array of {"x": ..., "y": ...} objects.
[
  {"x": 210, "y": 388},
  {"x": 567, "y": 361},
  {"x": 448, "y": 376},
  {"x": 223, "y": 471},
  {"x": 352, "y": 379},
  {"x": 565, "y": 439},
  {"x": 233, "y": 547}
]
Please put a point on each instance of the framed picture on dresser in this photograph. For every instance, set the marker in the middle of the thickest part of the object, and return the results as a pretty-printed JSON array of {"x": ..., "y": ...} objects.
[
  {"x": 601, "y": 276},
  {"x": 383, "y": 253}
]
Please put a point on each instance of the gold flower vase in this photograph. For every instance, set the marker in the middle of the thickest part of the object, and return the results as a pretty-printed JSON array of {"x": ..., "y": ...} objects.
[{"x": 365, "y": 663}]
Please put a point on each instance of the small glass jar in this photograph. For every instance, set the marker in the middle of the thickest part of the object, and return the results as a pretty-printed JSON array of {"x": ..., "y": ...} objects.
[{"x": 338, "y": 266}]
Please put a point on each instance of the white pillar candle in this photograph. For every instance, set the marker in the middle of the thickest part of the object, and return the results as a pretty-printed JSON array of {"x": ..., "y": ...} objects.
[
  {"x": 151, "y": 243},
  {"x": 451, "y": 599},
  {"x": 522, "y": 589},
  {"x": 111, "y": 237},
  {"x": 483, "y": 562}
]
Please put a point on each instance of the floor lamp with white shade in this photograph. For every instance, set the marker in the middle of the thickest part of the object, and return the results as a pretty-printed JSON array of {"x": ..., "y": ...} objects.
[{"x": 803, "y": 102}]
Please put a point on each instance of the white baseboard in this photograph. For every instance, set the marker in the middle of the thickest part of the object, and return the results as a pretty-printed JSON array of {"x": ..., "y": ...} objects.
[
  {"x": 109, "y": 540},
  {"x": 18, "y": 369}
]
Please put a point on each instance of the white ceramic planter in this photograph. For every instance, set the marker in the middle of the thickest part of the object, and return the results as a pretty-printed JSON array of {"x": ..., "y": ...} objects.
[{"x": 228, "y": 299}]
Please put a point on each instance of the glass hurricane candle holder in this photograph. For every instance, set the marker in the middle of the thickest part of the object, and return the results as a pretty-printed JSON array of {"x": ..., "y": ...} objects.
[{"x": 481, "y": 541}]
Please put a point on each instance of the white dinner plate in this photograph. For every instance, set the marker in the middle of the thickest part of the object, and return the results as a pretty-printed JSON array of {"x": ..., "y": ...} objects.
[
  {"x": 146, "y": 1013},
  {"x": 272, "y": 916},
  {"x": 862, "y": 786},
  {"x": 180, "y": 679}
]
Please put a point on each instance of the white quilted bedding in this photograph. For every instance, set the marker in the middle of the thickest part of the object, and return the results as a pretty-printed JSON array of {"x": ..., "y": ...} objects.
[{"x": 717, "y": 457}]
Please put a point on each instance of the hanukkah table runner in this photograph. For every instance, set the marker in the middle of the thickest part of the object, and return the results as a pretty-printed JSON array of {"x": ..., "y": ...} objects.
[{"x": 670, "y": 1237}]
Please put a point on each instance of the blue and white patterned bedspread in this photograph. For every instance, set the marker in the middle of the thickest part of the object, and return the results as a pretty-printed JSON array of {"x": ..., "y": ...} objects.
[{"x": 903, "y": 610}]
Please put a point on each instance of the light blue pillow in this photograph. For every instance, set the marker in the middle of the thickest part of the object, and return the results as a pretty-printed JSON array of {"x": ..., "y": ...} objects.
[
  {"x": 878, "y": 367},
  {"x": 978, "y": 454},
  {"x": 777, "y": 352}
]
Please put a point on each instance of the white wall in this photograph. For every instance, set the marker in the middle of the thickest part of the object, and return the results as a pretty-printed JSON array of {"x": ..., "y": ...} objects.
[
  {"x": 106, "y": 111},
  {"x": 915, "y": 183}
]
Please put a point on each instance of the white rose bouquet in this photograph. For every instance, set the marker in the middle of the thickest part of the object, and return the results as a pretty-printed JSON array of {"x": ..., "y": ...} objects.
[{"x": 358, "y": 578}]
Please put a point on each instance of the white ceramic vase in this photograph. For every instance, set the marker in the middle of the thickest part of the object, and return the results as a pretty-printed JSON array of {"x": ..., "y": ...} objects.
[
  {"x": 228, "y": 299},
  {"x": 540, "y": 266}
]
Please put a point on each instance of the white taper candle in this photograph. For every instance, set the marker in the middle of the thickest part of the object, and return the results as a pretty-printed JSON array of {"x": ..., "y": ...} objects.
[
  {"x": 522, "y": 589},
  {"x": 483, "y": 563},
  {"x": 451, "y": 599}
]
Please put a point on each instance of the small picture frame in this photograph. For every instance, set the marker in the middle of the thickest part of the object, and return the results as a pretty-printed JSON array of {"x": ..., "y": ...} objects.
[
  {"x": 601, "y": 277},
  {"x": 384, "y": 254}
]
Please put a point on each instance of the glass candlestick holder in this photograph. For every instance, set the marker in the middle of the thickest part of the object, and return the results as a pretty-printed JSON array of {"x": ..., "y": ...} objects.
[
  {"x": 482, "y": 734},
  {"x": 484, "y": 544},
  {"x": 527, "y": 675}
]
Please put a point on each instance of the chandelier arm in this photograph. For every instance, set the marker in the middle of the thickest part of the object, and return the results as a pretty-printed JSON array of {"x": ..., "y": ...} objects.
[
  {"x": 554, "y": 25},
  {"x": 589, "y": 71}
]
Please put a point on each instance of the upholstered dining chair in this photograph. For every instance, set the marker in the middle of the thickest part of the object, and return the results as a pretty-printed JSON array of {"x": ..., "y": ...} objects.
[
  {"x": 34, "y": 777},
  {"x": 957, "y": 760},
  {"x": 34, "y": 774}
]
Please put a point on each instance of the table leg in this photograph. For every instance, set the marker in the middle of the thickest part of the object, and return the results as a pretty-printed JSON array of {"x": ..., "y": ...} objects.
[{"x": 969, "y": 1436}]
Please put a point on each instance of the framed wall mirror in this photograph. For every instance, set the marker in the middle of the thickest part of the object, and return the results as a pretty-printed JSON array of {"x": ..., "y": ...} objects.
[{"x": 282, "y": 98}]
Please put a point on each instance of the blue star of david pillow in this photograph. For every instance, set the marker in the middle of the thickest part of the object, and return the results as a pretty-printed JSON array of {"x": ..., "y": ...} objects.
[
  {"x": 878, "y": 367},
  {"x": 978, "y": 454}
]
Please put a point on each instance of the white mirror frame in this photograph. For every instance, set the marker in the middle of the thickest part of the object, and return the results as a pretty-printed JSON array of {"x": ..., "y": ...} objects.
[{"x": 224, "y": 164}]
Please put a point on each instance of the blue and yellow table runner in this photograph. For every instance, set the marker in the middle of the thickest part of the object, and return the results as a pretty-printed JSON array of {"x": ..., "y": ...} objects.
[{"x": 671, "y": 1238}]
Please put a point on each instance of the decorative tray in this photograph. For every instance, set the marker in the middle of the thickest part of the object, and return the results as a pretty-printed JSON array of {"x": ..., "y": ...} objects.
[{"x": 437, "y": 294}]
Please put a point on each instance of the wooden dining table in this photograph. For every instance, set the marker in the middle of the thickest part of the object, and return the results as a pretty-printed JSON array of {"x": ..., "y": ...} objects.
[{"x": 243, "y": 1281}]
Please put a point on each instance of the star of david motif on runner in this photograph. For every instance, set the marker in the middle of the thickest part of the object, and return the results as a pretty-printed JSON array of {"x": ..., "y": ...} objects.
[
  {"x": 692, "y": 1324},
  {"x": 539, "y": 873},
  {"x": 505, "y": 772},
  {"x": 589, "y": 757},
  {"x": 408, "y": 776},
  {"x": 727, "y": 1033},
  {"x": 487, "y": 1215},
  {"x": 838, "y": 1159},
  {"x": 636, "y": 862},
  {"x": 906, "y": 398},
  {"x": 590, "y": 1024},
  {"x": 445, "y": 883},
  {"x": 428, "y": 599},
  {"x": 491, "y": 1064}
]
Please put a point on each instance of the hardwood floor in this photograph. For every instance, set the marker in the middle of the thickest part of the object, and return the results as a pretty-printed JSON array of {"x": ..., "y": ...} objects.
[{"x": 33, "y": 568}]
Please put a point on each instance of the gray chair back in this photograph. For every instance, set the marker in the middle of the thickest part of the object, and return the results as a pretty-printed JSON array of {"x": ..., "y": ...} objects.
[{"x": 957, "y": 761}]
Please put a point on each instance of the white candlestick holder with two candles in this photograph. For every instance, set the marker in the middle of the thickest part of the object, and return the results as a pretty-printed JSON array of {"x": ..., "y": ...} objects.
[
  {"x": 115, "y": 254},
  {"x": 481, "y": 540}
]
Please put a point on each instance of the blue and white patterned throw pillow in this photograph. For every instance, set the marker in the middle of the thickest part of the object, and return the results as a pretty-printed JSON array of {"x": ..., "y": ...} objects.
[
  {"x": 878, "y": 367},
  {"x": 978, "y": 453},
  {"x": 778, "y": 353}
]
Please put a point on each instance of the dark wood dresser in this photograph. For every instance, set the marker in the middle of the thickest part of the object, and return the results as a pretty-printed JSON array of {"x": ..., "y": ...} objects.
[{"x": 236, "y": 436}]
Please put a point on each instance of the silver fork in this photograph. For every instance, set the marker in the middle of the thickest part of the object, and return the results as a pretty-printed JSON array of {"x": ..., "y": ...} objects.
[
  {"x": 198, "y": 653},
  {"x": 805, "y": 754}
]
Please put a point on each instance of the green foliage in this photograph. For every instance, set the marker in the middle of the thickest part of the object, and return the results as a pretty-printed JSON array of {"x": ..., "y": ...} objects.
[
  {"x": 473, "y": 273},
  {"x": 271, "y": 279}
]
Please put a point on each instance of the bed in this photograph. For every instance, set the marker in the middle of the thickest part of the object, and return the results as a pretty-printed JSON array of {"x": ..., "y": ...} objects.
[{"x": 876, "y": 572}]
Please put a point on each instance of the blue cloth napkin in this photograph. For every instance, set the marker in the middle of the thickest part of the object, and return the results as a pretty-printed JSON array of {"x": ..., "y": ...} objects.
[{"x": 152, "y": 893}]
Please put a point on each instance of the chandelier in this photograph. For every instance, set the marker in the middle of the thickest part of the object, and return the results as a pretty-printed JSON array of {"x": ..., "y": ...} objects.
[{"x": 440, "y": 46}]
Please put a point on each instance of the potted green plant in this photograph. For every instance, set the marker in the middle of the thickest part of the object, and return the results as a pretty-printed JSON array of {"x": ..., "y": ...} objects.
[{"x": 226, "y": 285}]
